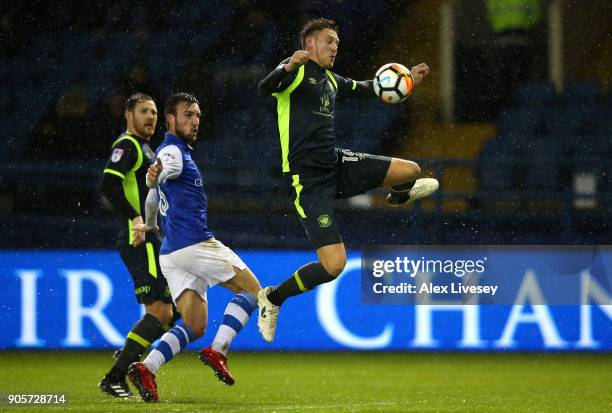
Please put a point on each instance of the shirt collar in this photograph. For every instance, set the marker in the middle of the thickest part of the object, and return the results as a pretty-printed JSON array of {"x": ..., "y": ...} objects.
[
  {"x": 175, "y": 140},
  {"x": 133, "y": 135}
]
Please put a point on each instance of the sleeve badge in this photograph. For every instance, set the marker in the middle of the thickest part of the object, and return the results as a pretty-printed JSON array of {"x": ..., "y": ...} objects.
[{"x": 117, "y": 154}]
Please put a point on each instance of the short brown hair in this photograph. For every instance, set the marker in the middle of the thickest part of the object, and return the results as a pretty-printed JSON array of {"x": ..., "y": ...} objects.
[
  {"x": 315, "y": 25},
  {"x": 136, "y": 98},
  {"x": 176, "y": 98}
]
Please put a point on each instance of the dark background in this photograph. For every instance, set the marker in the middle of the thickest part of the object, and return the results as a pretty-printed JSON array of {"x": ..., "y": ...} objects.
[{"x": 67, "y": 68}]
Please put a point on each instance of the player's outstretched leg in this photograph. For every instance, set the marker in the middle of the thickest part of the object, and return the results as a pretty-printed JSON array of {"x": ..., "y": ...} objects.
[{"x": 237, "y": 314}]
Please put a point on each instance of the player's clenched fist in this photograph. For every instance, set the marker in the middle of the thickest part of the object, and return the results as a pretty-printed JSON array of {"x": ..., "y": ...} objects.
[
  {"x": 153, "y": 173},
  {"x": 299, "y": 58},
  {"x": 419, "y": 72}
]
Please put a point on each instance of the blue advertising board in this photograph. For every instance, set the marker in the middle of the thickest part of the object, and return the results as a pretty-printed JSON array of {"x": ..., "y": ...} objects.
[{"x": 85, "y": 300}]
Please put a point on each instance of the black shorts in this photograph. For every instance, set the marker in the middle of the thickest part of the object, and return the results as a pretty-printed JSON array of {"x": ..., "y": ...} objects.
[
  {"x": 313, "y": 192},
  {"x": 143, "y": 264}
]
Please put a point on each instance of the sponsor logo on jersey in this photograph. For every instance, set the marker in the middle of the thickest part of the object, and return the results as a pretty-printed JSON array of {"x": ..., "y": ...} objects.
[
  {"x": 312, "y": 80},
  {"x": 350, "y": 156},
  {"x": 142, "y": 290}
]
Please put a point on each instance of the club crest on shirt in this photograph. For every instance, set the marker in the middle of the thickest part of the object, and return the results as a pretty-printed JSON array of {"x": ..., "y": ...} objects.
[
  {"x": 324, "y": 104},
  {"x": 117, "y": 154},
  {"x": 326, "y": 108},
  {"x": 324, "y": 221}
]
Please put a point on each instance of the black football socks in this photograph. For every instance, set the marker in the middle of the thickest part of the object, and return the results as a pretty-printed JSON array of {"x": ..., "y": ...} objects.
[
  {"x": 400, "y": 193},
  {"x": 304, "y": 279},
  {"x": 145, "y": 332}
]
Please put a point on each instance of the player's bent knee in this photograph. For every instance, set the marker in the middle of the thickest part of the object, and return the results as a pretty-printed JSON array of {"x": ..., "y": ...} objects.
[
  {"x": 334, "y": 267},
  {"x": 411, "y": 170},
  {"x": 416, "y": 169},
  {"x": 401, "y": 172}
]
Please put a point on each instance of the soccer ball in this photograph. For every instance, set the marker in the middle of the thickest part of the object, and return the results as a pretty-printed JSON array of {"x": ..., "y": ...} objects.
[{"x": 393, "y": 83}]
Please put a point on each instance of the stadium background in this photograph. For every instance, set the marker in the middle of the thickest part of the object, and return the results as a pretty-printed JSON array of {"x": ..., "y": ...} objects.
[
  {"x": 507, "y": 177},
  {"x": 527, "y": 167}
]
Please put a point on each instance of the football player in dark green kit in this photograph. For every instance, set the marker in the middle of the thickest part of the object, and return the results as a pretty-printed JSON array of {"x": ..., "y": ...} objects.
[
  {"x": 123, "y": 185},
  {"x": 316, "y": 171}
]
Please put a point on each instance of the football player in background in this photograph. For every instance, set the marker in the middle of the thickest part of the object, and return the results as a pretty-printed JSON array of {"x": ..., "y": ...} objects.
[{"x": 123, "y": 185}]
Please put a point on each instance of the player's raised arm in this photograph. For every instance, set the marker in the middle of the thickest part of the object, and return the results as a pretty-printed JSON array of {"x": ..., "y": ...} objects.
[
  {"x": 153, "y": 173},
  {"x": 299, "y": 58},
  {"x": 365, "y": 89},
  {"x": 355, "y": 88},
  {"x": 169, "y": 165},
  {"x": 284, "y": 74}
]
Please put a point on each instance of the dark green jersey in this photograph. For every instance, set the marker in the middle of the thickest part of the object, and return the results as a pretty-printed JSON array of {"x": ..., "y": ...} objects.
[
  {"x": 129, "y": 160},
  {"x": 305, "y": 102}
]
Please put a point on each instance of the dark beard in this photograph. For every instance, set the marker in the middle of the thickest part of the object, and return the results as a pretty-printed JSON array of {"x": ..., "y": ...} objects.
[{"x": 187, "y": 139}]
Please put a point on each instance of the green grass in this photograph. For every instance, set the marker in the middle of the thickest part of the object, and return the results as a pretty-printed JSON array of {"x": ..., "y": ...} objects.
[{"x": 332, "y": 382}]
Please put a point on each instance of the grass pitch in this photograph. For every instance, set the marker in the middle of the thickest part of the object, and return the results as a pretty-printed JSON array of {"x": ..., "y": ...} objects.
[{"x": 330, "y": 382}]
